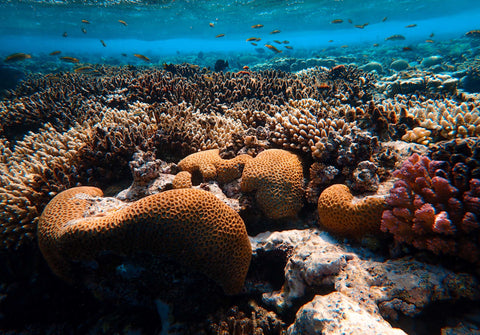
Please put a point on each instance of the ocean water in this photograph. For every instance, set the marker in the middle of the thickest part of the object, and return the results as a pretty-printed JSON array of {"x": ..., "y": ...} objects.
[{"x": 161, "y": 30}]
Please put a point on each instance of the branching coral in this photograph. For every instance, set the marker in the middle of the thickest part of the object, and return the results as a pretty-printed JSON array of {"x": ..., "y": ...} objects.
[
  {"x": 339, "y": 214},
  {"x": 191, "y": 226},
  {"x": 435, "y": 206},
  {"x": 277, "y": 177}
]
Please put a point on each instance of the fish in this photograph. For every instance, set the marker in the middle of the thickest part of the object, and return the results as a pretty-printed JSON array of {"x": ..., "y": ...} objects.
[
  {"x": 219, "y": 35},
  {"x": 84, "y": 30},
  {"x": 289, "y": 47},
  {"x": 431, "y": 35},
  {"x": 85, "y": 21},
  {"x": 256, "y": 39},
  {"x": 211, "y": 24},
  {"x": 254, "y": 44},
  {"x": 330, "y": 41},
  {"x": 246, "y": 67},
  {"x": 286, "y": 42},
  {"x": 473, "y": 33},
  {"x": 18, "y": 56},
  {"x": 361, "y": 26},
  {"x": 56, "y": 52},
  {"x": 256, "y": 26},
  {"x": 142, "y": 57},
  {"x": 64, "y": 34},
  {"x": 395, "y": 37},
  {"x": 85, "y": 69},
  {"x": 344, "y": 46},
  {"x": 350, "y": 21},
  {"x": 271, "y": 47},
  {"x": 123, "y": 22},
  {"x": 384, "y": 19},
  {"x": 429, "y": 41},
  {"x": 277, "y": 41},
  {"x": 276, "y": 31},
  {"x": 103, "y": 43},
  {"x": 411, "y": 25},
  {"x": 69, "y": 59},
  {"x": 336, "y": 21},
  {"x": 124, "y": 54},
  {"x": 376, "y": 44},
  {"x": 406, "y": 49}
]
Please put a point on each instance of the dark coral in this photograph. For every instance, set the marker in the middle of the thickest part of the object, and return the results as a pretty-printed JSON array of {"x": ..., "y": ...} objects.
[{"x": 435, "y": 206}]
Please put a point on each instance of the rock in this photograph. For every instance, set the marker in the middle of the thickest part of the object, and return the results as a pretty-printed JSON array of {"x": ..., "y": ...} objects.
[
  {"x": 431, "y": 61},
  {"x": 336, "y": 313},
  {"x": 372, "y": 66},
  {"x": 399, "y": 65}
]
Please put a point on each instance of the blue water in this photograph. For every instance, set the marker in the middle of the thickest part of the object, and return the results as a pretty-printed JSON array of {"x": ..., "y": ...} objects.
[{"x": 159, "y": 29}]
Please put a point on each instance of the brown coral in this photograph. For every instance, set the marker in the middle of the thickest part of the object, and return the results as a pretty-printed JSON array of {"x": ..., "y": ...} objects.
[
  {"x": 340, "y": 215},
  {"x": 212, "y": 166},
  {"x": 277, "y": 177},
  {"x": 183, "y": 179},
  {"x": 191, "y": 226}
]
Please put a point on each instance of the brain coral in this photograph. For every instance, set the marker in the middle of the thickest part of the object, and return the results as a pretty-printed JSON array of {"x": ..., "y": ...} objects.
[
  {"x": 340, "y": 215},
  {"x": 183, "y": 179},
  {"x": 436, "y": 207},
  {"x": 277, "y": 176},
  {"x": 212, "y": 166},
  {"x": 190, "y": 226}
]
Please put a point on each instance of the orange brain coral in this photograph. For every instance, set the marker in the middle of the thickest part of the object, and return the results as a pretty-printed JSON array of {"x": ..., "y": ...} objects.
[
  {"x": 277, "y": 176},
  {"x": 191, "y": 226},
  {"x": 339, "y": 215},
  {"x": 212, "y": 166},
  {"x": 183, "y": 179}
]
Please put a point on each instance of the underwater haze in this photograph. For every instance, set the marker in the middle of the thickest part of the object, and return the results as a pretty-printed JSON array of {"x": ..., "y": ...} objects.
[{"x": 163, "y": 28}]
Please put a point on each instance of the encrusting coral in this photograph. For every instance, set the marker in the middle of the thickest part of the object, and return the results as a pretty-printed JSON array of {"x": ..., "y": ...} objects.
[
  {"x": 339, "y": 214},
  {"x": 212, "y": 166},
  {"x": 435, "y": 206},
  {"x": 191, "y": 226},
  {"x": 277, "y": 177}
]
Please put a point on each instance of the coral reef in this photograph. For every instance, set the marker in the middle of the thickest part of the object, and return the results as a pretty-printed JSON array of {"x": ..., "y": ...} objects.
[
  {"x": 434, "y": 206},
  {"x": 277, "y": 178},
  {"x": 183, "y": 179},
  {"x": 161, "y": 223},
  {"x": 340, "y": 215}
]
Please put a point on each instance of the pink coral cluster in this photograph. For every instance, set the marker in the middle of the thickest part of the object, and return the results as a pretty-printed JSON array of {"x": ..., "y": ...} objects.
[{"x": 428, "y": 212}]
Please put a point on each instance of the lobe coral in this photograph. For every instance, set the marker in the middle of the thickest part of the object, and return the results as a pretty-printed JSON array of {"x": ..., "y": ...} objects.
[{"x": 190, "y": 226}]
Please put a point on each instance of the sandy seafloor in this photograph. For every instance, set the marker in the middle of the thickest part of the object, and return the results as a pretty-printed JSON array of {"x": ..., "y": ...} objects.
[{"x": 353, "y": 115}]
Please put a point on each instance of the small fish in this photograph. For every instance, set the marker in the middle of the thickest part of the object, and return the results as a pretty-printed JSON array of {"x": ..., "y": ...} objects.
[
  {"x": 276, "y": 31},
  {"x": 406, "y": 49},
  {"x": 64, "y": 34},
  {"x": 211, "y": 24},
  {"x": 330, "y": 41},
  {"x": 256, "y": 39},
  {"x": 344, "y": 46},
  {"x": 286, "y": 42},
  {"x": 431, "y": 35},
  {"x": 254, "y": 44},
  {"x": 69, "y": 59},
  {"x": 103, "y": 43},
  {"x": 142, "y": 57},
  {"x": 271, "y": 47},
  {"x": 429, "y": 41},
  {"x": 85, "y": 21},
  {"x": 124, "y": 54},
  {"x": 395, "y": 37},
  {"x": 84, "y": 30},
  {"x": 411, "y": 25},
  {"x": 384, "y": 19},
  {"x": 277, "y": 41},
  {"x": 246, "y": 68},
  {"x": 123, "y": 22},
  {"x": 56, "y": 52},
  {"x": 376, "y": 44},
  {"x": 256, "y": 26},
  {"x": 288, "y": 47},
  {"x": 336, "y": 21},
  {"x": 17, "y": 57},
  {"x": 473, "y": 33},
  {"x": 361, "y": 26},
  {"x": 84, "y": 69},
  {"x": 350, "y": 21},
  {"x": 219, "y": 35}
]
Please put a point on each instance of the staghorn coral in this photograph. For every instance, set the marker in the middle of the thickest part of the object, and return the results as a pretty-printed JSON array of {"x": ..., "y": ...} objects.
[
  {"x": 435, "y": 206},
  {"x": 191, "y": 226},
  {"x": 183, "y": 179},
  {"x": 212, "y": 166},
  {"x": 277, "y": 177},
  {"x": 339, "y": 214}
]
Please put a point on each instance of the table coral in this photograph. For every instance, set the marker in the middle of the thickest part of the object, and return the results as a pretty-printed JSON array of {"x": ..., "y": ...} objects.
[
  {"x": 435, "y": 206},
  {"x": 191, "y": 226},
  {"x": 212, "y": 166},
  {"x": 277, "y": 177},
  {"x": 340, "y": 215}
]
